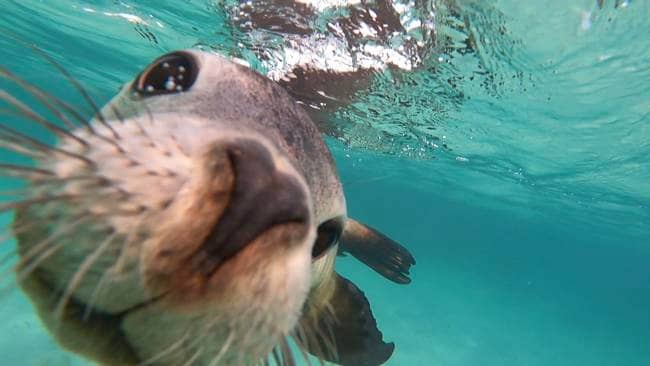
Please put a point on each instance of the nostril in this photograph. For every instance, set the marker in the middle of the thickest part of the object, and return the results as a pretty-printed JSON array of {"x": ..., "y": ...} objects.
[{"x": 262, "y": 198}]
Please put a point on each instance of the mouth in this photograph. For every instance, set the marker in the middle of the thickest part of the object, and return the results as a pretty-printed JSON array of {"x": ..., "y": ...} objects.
[{"x": 263, "y": 197}]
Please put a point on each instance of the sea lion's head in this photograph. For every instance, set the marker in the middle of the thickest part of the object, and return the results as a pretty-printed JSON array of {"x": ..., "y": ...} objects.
[{"x": 183, "y": 220}]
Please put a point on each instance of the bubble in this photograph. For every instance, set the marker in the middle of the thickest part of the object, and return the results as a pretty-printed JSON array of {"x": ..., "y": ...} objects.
[
  {"x": 149, "y": 88},
  {"x": 166, "y": 65}
]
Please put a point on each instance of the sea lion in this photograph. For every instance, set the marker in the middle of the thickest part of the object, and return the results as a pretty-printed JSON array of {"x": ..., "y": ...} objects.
[
  {"x": 195, "y": 220},
  {"x": 323, "y": 52}
]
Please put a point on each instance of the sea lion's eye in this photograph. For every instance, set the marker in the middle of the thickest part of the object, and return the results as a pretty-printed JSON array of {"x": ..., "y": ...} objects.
[
  {"x": 172, "y": 73},
  {"x": 328, "y": 235}
]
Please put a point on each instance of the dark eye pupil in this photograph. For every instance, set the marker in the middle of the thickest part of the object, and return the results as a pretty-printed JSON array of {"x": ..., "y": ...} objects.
[
  {"x": 328, "y": 233},
  {"x": 173, "y": 73}
]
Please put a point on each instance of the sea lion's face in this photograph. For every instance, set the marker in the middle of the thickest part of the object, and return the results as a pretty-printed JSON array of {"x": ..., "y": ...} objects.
[{"x": 191, "y": 218}]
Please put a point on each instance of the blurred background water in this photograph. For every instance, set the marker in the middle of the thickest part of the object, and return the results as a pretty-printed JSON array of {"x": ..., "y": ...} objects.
[{"x": 518, "y": 174}]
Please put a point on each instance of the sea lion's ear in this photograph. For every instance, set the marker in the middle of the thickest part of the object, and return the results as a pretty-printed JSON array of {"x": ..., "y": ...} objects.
[
  {"x": 385, "y": 256},
  {"x": 344, "y": 331}
]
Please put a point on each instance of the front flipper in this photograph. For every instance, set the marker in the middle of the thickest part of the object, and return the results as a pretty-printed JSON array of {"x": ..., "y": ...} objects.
[
  {"x": 385, "y": 256},
  {"x": 344, "y": 331}
]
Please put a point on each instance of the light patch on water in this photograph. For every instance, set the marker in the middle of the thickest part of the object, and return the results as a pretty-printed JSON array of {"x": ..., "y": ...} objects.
[
  {"x": 131, "y": 18},
  {"x": 586, "y": 21},
  {"x": 325, "y": 4}
]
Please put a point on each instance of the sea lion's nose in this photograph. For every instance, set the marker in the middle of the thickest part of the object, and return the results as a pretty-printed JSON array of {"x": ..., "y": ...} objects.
[{"x": 263, "y": 196}]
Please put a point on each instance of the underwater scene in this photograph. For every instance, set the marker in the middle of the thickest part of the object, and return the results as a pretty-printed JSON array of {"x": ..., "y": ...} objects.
[{"x": 495, "y": 155}]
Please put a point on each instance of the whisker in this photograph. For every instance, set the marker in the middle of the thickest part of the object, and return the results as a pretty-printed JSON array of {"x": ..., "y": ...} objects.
[
  {"x": 304, "y": 355},
  {"x": 327, "y": 336},
  {"x": 81, "y": 272},
  {"x": 301, "y": 340},
  {"x": 14, "y": 136},
  {"x": 144, "y": 132},
  {"x": 312, "y": 340},
  {"x": 149, "y": 114},
  {"x": 115, "y": 268},
  {"x": 43, "y": 97},
  {"x": 97, "y": 180},
  {"x": 117, "y": 114},
  {"x": 13, "y": 229},
  {"x": 36, "y": 200},
  {"x": 173, "y": 347},
  {"x": 28, "y": 269},
  {"x": 287, "y": 355},
  {"x": 223, "y": 350},
  {"x": 34, "y": 154},
  {"x": 17, "y": 142},
  {"x": 22, "y": 171},
  {"x": 5, "y": 259},
  {"x": 257, "y": 321},
  {"x": 194, "y": 357},
  {"x": 276, "y": 356},
  {"x": 35, "y": 117},
  {"x": 205, "y": 331},
  {"x": 29, "y": 263},
  {"x": 14, "y": 193},
  {"x": 46, "y": 99},
  {"x": 171, "y": 136},
  {"x": 40, "y": 183},
  {"x": 88, "y": 308},
  {"x": 10, "y": 233},
  {"x": 79, "y": 88}
]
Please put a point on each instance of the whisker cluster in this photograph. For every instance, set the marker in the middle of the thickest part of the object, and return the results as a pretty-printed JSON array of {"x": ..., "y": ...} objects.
[{"x": 41, "y": 188}]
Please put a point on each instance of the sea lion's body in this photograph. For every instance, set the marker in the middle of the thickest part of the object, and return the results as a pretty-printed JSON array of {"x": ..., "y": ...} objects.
[
  {"x": 196, "y": 221},
  {"x": 324, "y": 52}
]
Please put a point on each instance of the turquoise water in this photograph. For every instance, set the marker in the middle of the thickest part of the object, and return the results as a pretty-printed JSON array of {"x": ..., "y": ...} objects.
[{"x": 519, "y": 176}]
